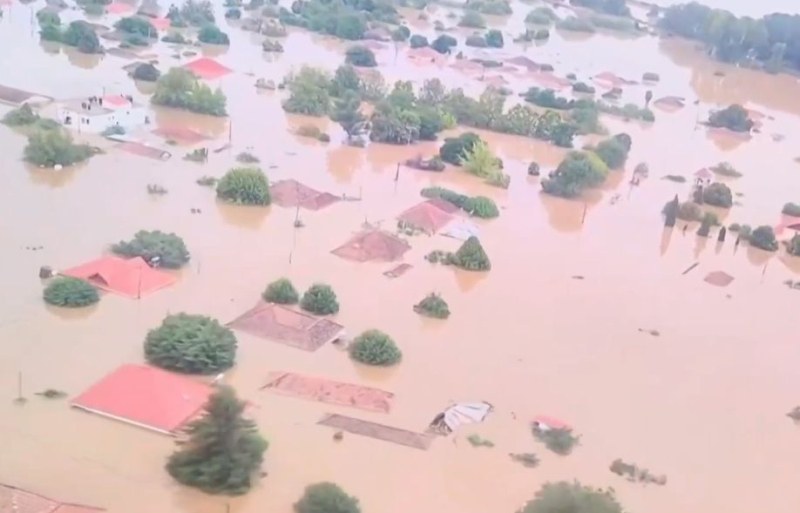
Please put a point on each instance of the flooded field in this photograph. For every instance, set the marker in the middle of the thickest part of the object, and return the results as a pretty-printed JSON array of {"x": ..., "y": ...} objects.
[{"x": 704, "y": 402}]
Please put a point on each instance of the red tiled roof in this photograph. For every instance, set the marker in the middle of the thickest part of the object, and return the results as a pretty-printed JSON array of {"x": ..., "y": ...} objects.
[
  {"x": 132, "y": 278},
  {"x": 207, "y": 68},
  {"x": 17, "y": 500},
  {"x": 147, "y": 397},
  {"x": 288, "y": 326},
  {"x": 291, "y": 193},
  {"x": 426, "y": 216},
  {"x": 372, "y": 245}
]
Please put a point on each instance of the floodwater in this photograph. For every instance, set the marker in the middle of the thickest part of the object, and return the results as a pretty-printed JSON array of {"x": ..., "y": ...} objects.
[{"x": 703, "y": 403}]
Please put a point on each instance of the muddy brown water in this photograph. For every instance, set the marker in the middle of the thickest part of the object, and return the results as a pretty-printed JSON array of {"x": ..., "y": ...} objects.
[{"x": 703, "y": 403}]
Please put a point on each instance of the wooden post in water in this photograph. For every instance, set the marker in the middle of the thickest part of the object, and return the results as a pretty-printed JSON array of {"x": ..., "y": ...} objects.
[{"x": 583, "y": 218}]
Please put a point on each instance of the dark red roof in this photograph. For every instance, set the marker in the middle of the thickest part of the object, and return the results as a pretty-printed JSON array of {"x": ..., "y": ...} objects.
[{"x": 146, "y": 396}]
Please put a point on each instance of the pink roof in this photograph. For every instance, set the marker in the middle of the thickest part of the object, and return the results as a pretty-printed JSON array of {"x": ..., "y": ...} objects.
[
  {"x": 704, "y": 173},
  {"x": 17, "y": 500},
  {"x": 119, "y": 8},
  {"x": 288, "y": 326},
  {"x": 442, "y": 204},
  {"x": 426, "y": 216},
  {"x": 160, "y": 23},
  {"x": 132, "y": 278},
  {"x": 551, "y": 422},
  {"x": 207, "y": 68},
  {"x": 115, "y": 101},
  {"x": 146, "y": 396}
]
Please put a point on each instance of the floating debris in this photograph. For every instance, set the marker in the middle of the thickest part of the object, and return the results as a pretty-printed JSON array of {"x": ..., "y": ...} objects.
[
  {"x": 527, "y": 459},
  {"x": 653, "y": 333},
  {"x": 636, "y": 474},
  {"x": 52, "y": 393},
  {"x": 477, "y": 441}
]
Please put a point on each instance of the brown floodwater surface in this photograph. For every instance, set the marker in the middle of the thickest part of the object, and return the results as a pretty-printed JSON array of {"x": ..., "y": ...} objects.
[{"x": 704, "y": 402}]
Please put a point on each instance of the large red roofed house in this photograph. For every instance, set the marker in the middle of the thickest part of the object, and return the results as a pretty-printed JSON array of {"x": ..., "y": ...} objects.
[
  {"x": 127, "y": 277},
  {"x": 147, "y": 397},
  {"x": 207, "y": 68}
]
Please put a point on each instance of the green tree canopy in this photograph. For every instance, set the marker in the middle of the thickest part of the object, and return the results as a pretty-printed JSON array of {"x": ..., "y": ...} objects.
[
  {"x": 494, "y": 39},
  {"x": 193, "y": 344},
  {"x": 578, "y": 171},
  {"x": 49, "y": 148},
  {"x": 472, "y": 19},
  {"x": 244, "y": 186},
  {"x": 70, "y": 292},
  {"x": 320, "y": 299},
  {"x": 613, "y": 151},
  {"x": 480, "y": 161},
  {"x": 223, "y": 451},
  {"x": 444, "y": 43},
  {"x": 167, "y": 248},
  {"x": 471, "y": 256},
  {"x": 82, "y": 36},
  {"x": 180, "y": 89},
  {"x": 564, "y": 497},
  {"x": 434, "y": 306},
  {"x": 763, "y": 237},
  {"x": 374, "y": 347},
  {"x": 719, "y": 195},
  {"x": 347, "y": 113},
  {"x": 308, "y": 92},
  {"x": 734, "y": 117},
  {"x": 136, "y": 25},
  {"x": 146, "y": 72},
  {"x": 212, "y": 35},
  {"x": 281, "y": 291},
  {"x": 360, "y": 55},
  {"x": 418, "y": 41},
  {"x": 454, "y": 148},
  {"x": 326, "y": 498}
]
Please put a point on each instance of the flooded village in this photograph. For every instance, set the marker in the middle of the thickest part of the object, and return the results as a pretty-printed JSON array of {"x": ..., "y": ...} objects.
[{"x": 527, "y": 257}]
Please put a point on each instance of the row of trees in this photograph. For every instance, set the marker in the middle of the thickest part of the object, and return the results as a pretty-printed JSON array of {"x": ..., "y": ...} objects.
[
  {"x": 319, "y": 299},
  {"x": 78, "y": 34},
  {"x": 346, "y": 19},
  {"x": 772, "y": 41}
]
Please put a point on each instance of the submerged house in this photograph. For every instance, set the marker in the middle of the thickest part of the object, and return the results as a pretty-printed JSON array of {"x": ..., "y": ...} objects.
[{"x": 97, "y": 113}]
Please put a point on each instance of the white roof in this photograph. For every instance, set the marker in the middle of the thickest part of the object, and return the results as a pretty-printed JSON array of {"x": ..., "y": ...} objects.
[
  {"x": 460, "y": 414},
  {"x": 461, "y": 230}
]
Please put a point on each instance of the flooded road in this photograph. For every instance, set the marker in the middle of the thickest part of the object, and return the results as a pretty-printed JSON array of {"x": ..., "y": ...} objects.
[{"x": 703, "y": 403}]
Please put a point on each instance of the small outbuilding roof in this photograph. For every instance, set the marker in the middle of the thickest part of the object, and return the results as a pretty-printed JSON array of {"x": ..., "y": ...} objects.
[
  {"x": 426, "y": 216},
  {"x": 128, "y": 277},
  {"x": 372, "y": 245},
  {"x": 288, "y": 326},
  {"x": 147, "y": 397},
  {"x": 17, "y": 500},
  {"x": 460, "y": 414},
  {"x": 207, "y": 68}
]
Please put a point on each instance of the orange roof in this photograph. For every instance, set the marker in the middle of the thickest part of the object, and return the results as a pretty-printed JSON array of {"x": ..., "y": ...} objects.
[
  {"x": 288, "y": 326},
  {"x": 147, "y": 397},
  {"x": 17, "y": 500},
  {"x": 330, "y": 391},
  {"x": 207, "y": 68},
  {"x": 426, "y": 216},
  {"x": 131, "y": 278}
]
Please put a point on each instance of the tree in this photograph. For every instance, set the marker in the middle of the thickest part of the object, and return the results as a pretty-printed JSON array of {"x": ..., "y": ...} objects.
[
  {"x": 564, "y": 497},
  {"x": 166, "y": 249},
  {"x": 480, "y": 161},
  {"x": 194, "y": 12},
  {"x": 444, "y": 43},
  {"x": 454, "y": 148},
  {"x": 21, "y": 116},
  {"x": 718, "y": 195},
  {"x": 612, "y": 7},
  {"x": 282, "y": 292},
  {"x": 360, "y": 55},
  {"x": 50, "y": 32},
  {"x": 432, "y": 93},
  {"x": 212, "y": 35},
  {"x": 326, "y": 498},
  {"x": 345, "y": 80},
  {"x": 481, "y": 206},
  {"x": 47, "y": 17},
  {"x": 192, "y": 344},
  {"x": 244, "y": 186},
  {"x": 374, "y": 347},
  {"x": 223, "y": 450},
  {"x": 494, "y": 39},
  {"x": 791, "y": 209},
  {"x": 471, "y": 256},
  {"x": 541, "y": 16},
  {"x": 670, "y": 212},
  {"x": 320, "y": 299},
  {"x": 179, "y": 88},
  {"x": 613, "y": 152},
  {"x": 472, "y": 19},
  {"x": 308, "y": 92},
  {"x": 434, "y": 306},
  {"x": 418, "y": 41},
  {"x": 734, "y": 117},
  {"x": 578, "y": 171},
  {"x": 146, "y": 72},
  {"x": 763, "y": 237},
  {"x": 401, "y": 33},
  {"x": 136, "y": 25},
  {"x": 475, "y": 41},
  {"x": 70, "y": 292},
  {"x": 82, "y": 36},
  {"x": 233, "y": 13},
  {"x": 346, "y": 112},
  {"x": 50, "y": 148}
]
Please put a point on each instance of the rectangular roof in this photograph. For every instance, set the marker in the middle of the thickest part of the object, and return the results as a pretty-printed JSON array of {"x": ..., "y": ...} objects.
[
  {"x": 288, "y": 326},
  {"x": 17, "y": 500}
]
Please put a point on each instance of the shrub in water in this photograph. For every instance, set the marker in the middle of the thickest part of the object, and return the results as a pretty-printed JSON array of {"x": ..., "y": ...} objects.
[
  {"x": 471, "y": 256},
  {"x": 281, "y": 291},
  {"x": 70, "y": 292},
  {"x": 433, "y": 306},
  {"x": 791, "y": 209},
  {"x": 167, "y": 248},
  {"x": 763, "y": 237},
  {"x": 560, "y": 441},
  {"x": 374, "y": 347},
  {"x": 719, "y": 195},
  {"x": 193, "y": 344},
  {"x": 320, "y": 299},
  {"x": 481, "y": 206},
  {"x": 326, "y": 498},
  {"x": 244, "y": 186}
]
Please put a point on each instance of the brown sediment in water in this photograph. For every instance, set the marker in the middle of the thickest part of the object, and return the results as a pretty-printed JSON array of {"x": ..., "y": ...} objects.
[{"x": 702, "y": 403}]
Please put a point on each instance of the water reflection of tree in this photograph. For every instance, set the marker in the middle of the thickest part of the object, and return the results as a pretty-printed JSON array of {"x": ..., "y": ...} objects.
[
  {"x": 51, "y": 177},
  {"x": 343, "y": 162},
  {"x": 82, "y": 60},
  {"x": 567, "y": 215},
  {"x": 247, "y": 217}
]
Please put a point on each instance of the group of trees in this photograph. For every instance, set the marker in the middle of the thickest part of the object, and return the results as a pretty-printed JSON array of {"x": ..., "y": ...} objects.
[
  {"x": 612, "y": 7},
  {"x": 191, "y": 344},
  {"x": 492, "y": 39},
  {"x": 212, "y": 35},
  {"x": 179, "y": 88},
  {"x": 404, "y": 118},
  {"x": 156, "y": 247},
  {"x": 346, "y": 19},
  {"x": 578, "y": 171},
  {"x": 734, "y": 117},
  {"x": 319, "y": 298},
  {"x": 374, "y": 347},
  {"x": 70, "y": 292},
  {"x": 52, "y": 146},
  {"x": 772, "y": 41},
  {"x": 136, "y": 30},
  {"x": 584, "y": 112},
  {"x": 434, "y": 306},
  {"x": 197, "y": 13},
  {"x": 78, "y": 34}
]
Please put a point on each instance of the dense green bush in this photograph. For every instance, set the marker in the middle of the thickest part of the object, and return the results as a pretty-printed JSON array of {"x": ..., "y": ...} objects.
[
  {"x": 734, "y": 117},
  {"x": 82, "y": 36},
  {"x": 613, "y": 151},
  {"x": 454, "y": 148},
  {"x": 326, "y": 498},
  {"x": 136, "y": 25},
  {"x": 179, "y": 88},
  {"x": 49, "y": 148},
  {"x": 434, "y": 306},
  {"x": 360, "y": 55},
  {"x": 689, "y": 211},
  {"x": 47, "y": 17},
  {"x": 763, "y": 237},
  {"x": 471, "y": 256},
  {"x": 566, "y": 497},
  {"x": 21, "y": 116},
  {"x": 793, "y": 247},
  {"x": 494, "y": 38},
  {"x": 146, "y": 72},
  {"x": 309, "y": 92},
  {"x": 212, "y": 35},
  {"x": 581, "y": 87},
  {"x": 222, "y": 450},
  {"x": 495, "y": 7},
  {"x": 167, "y": 248},
  {"x": 719, "y": 195},
  {"x": 481, "y": 206},
  {"x": 418, "y": 41},
  {"x": 70, "y": 292},
  {"x": 233, "y": 13},
  {"x": 374, "y": 347},
  {"x": 281, "y": 291},
  {"x": 612, "y": 7},
  {"x": 578, "y": 171},
  {"x": 472, "y": 19},
  {"x": 475, "y": 41},
  {"x": 444, "y": 43},
  {"x": 244, "y": 186},
  {"x": 560, "y": 441},
  {"x": 791, "y": 209},
  {"x": 192, "y": 344},
  {"x": 547, "y": 98},
  {"x": 541, "y": 35},
  {"x": 541, "y": 16},
  {"x": 575, "y": 24},
  {"x": 401, "y": 33},
  {"x": 320, "y": 299}
]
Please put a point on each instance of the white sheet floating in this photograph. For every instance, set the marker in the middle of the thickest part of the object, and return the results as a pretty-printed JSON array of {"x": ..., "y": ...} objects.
[
  {"x": 460, "y": 414},
  {"x": 461, "y": 230}
]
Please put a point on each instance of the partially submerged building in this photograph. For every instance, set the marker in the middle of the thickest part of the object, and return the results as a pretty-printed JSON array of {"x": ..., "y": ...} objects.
[
  {"x": 17, "y": 500},
  {"x": 97, "y": 113}
]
